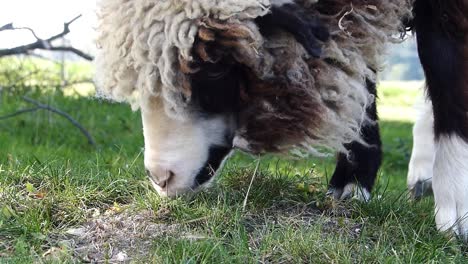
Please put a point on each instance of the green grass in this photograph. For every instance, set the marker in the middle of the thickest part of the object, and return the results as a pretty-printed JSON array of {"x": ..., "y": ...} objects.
[{"x": 51, "y": 180}]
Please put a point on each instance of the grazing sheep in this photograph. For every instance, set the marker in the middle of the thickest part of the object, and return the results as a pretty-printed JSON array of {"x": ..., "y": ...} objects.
[
  {"x": 257, "y": 75},
  {"x": 274, "y": 76}
]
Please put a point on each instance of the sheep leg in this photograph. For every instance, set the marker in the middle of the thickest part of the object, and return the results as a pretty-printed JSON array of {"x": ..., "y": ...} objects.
[
  {"x": 441, "y": 29},
  {"x": 420, "y": 168},
  {"x": 355, "y": 173}
]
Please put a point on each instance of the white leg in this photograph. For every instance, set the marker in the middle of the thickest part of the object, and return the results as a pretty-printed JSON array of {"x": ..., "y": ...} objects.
[
  {"x": 450, "y": 184},
  {"x": 421, "y": 164}
]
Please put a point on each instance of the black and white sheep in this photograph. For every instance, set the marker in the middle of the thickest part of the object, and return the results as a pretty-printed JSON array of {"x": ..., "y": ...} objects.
[
  {"x": 262, "y": 89},
  {"x": 281, "y": 75}
]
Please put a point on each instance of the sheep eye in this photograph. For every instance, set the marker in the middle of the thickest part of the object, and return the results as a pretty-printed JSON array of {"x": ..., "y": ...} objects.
[
  {"x": 217, "y": 74},
  {"x": 213, "y": 72},
  {"x": 215, "y": 88}
]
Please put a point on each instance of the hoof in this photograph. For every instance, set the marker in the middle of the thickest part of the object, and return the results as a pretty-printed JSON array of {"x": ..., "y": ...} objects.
[{"x": 350, "y": 191}]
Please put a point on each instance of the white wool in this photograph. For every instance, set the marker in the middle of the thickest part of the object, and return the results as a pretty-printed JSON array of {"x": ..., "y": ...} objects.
[{"x": 140, "y": 42}]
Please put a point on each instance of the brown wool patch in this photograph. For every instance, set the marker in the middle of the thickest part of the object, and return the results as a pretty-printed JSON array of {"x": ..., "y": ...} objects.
[{"x": 291, "y": 99}]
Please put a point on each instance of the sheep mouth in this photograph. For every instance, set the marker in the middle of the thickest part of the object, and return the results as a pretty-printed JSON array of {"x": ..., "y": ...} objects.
[{"x": 216, "y": 156}]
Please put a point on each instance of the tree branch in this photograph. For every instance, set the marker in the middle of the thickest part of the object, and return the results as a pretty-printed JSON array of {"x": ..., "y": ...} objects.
[
  {"x": 19, "y": 112},
  {"x": 65, "y": 115},
  {"x": 43, "y": 44},
  {"x": 8, "y": 26},
  {"x": 42, "y": 106},
  {"x": 25, "y": 28}
]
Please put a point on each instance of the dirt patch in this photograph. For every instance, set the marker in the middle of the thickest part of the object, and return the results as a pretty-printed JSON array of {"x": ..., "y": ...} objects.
[
  {"x": 116, "y": 237},
  {"x": 128, "y": 235}
]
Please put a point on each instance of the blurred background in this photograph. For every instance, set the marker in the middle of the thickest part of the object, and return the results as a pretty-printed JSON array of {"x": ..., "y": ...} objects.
[{"x": 46, "y": 18}]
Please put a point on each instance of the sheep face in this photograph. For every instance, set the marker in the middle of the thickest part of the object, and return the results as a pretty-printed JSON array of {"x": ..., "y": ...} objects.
[{"x": 183, "y": 155}]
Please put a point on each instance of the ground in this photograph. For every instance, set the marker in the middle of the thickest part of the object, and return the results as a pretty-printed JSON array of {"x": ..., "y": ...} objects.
[{"x": 62, "y": 200}]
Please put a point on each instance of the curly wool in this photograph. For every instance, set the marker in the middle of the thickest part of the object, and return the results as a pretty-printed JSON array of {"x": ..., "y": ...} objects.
[
  {"x": 141, "y": 41},
  {"x": 309, "y": 103},
  {"x": 323, "y": 101}
]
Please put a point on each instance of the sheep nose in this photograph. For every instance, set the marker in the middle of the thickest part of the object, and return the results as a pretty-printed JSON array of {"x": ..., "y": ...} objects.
[{"x": 160, "y": 176}]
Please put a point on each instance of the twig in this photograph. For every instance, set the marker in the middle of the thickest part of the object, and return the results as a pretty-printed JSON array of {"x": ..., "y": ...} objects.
[
  {"x": 26, "y": 28},
  {"x": 8, "y": 26},
  {"x": 19, "y": 112},
  {"x": 42, "y": 106},
  {"x": 244, "y": 204},
  {"x": 44, "y": 44},
  {"x": 67, "y": 116}
]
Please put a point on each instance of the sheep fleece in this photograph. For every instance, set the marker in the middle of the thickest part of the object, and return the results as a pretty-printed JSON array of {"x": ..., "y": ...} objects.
[{"x": 293, "y": 101}]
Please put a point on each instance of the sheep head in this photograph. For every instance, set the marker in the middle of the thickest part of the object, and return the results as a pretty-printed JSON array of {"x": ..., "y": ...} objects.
[{"x": 211, "y": 78}]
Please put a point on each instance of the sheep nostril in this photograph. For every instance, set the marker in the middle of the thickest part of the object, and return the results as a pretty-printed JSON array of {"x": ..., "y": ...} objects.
[
  {"x": 164, "y": 183},
  {"x": 161, "y": 180},
  {"x": 171, "y": 174}
]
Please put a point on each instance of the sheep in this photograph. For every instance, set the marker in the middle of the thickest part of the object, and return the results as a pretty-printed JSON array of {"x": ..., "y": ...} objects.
[
  {"x": 282, "y": 76},
  {"x": 256, "y": 75}
]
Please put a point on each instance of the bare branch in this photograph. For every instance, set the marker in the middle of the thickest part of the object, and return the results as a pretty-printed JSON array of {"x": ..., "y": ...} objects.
[
  {"x": 28, "y": 29},
  {"x": 65, "y": 115},
  {"x": 43, "y": 44},
  {"x": 66, "y": 30},
  {"x": 8, "y": 26},
  {"x": 19, "y": 112},
  {"x": 42, "y": 106}
]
